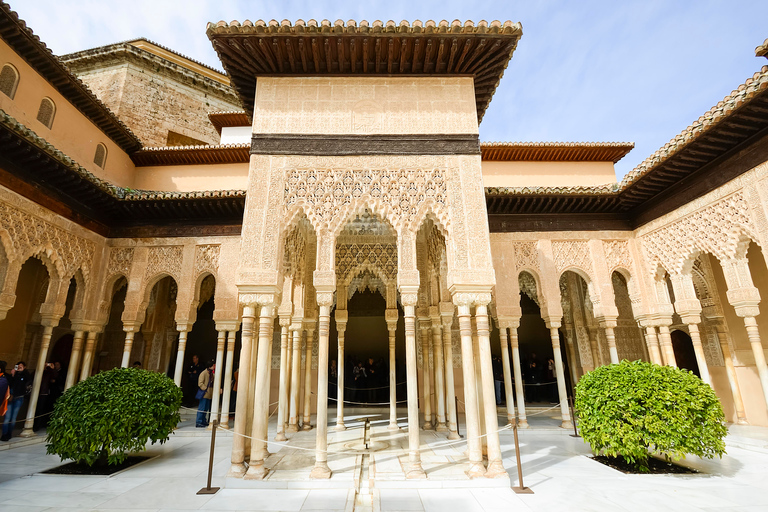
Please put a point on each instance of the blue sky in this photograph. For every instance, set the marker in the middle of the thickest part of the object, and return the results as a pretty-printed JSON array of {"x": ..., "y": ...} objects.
[{"x": 638, "y": 71}]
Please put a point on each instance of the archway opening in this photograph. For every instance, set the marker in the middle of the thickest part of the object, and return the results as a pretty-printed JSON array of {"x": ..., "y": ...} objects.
[
  {"x": 684, "y": 354},
  {"x": 108, "y": 353},
  {"x": 202, "y": 339},
  {"x": 629, "y": 337},
  {"x": 152, "y": 345},
  {"x": 21, "y": 327}
]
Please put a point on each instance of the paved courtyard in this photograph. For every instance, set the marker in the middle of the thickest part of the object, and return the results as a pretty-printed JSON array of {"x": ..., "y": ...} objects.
[{"x": 556, "y": 467}]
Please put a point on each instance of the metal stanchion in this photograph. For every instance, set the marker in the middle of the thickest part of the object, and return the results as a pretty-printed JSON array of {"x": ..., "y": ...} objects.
[
  {"x": 573, "y": 417},
  {"x": 520, "y": 489},
  {"x": 208, "y": 489},
  {"x": 457, "y": 416},
  {"x": 366, "y": 431}
]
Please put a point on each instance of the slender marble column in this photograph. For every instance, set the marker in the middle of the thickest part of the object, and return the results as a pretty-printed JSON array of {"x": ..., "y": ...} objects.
[
  {"x": 518, "y": 374},
  {"x": 90, "y": 347},
  {"x": 446, "y": 313},
  {"x": 391, "y": 318},
  {"x": 228, "y": 379},
  {"x": 237, "y": 469},
  {"x": 495, "y": 467},
  {"x": 74, "y": 359},
  {"x": 757, "y": 350},
  {"x": 653, "y": 345},
  {"x": 179, "y": 355},
  {"x": 306, "y": 425},
  {"x": 129, "y": 345},
  {"x": 561, "y": 389},
  {"x": 733, "y": 381},
  {"x": 597, "y": 358},
  {"x": 474, "y": 444},
  {"x": 341, "y": 325},
  {"x": 321, "y": 469},
  {"x": 293, "y": 419},
  {"x": 427, "y": 388},
  {"x": 665, "y": 338},
  {"x": 698, "y": 349},
  {"x": 215, "y": 402},
  {"x": 282, "y": 404},
  {"x": 415, "y": 469},
  {"x": 45, "y": 343},
  {"x": 507, "y": 374},
  {"x": 611, "y": 337},
  {"x": 437, "y": 345},
  {"x": 256, "y": 468}
]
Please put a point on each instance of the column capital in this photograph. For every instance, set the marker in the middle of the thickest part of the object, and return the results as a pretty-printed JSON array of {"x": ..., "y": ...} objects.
[
  {"x": 471, "y": 298},
  {"x": 227, "y": 325},
  {"x": 507, "y": 322},
  {"x": 284, "y": 320},
  {"x": 408, "y": 298},
  {"x": 552, "y": 323},
  {"x": 607, "y": 322},
  {"x": 744, "y": 300}
]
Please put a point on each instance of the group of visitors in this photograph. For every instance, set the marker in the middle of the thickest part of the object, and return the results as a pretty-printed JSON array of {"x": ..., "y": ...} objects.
[
  {"x": 540, "y": 380},
  {"x": 198, "y": 390},
  {"x": 366, "y": 382}
]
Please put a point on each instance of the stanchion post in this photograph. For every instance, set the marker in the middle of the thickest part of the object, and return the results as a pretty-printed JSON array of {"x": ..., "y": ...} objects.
[
  {"x": 520, "y": 489},
  {"x": 458, "y": 433},
  {"x": 208, "y": 489},
  {"x": 573, "y": 417}
]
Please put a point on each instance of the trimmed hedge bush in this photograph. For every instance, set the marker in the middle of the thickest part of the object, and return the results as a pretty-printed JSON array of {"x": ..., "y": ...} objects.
[
  {"x": 111, "y": 413},
  {"x": 635, "y": 409}
]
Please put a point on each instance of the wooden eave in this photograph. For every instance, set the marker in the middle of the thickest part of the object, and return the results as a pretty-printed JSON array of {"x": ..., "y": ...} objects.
[
  {"x": 29, "y": 47},
  {"x": 193, "y": 155},
  {"x": 228, "y": 119},
  {"x": 555, "y": 151},
  {"x": 248, "y": 51}
]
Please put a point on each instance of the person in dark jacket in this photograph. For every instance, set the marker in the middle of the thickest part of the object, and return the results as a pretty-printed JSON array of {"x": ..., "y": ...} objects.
[
  {"x": 4, "y": 389},
  {"x": 21, "y": 384}
]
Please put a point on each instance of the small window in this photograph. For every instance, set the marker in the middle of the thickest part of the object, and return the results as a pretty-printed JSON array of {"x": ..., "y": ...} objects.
[
  {"x": 46, "y": 112},
  {"x": 9, "y": 80},
  {"x": 100, "y": 158}
]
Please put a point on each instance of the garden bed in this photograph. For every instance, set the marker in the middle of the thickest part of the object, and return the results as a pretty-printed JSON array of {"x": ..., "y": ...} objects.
[
  {"x": 655, "y": 466},
  {"x": 75, "y": 468}
]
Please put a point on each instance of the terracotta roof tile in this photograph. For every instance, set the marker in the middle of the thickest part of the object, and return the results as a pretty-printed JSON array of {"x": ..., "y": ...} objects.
[
  {"x": 762, "y": 50},
  {"x": 193, "y": 155},
  {"x": 555, "y": 151}
]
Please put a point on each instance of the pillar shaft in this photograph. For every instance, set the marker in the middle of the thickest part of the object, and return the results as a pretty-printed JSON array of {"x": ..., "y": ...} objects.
[
  {"x": 293, "y": 417},
  {"x": 610, "y": 335},
  {"x": 237, "y": 468},
  {"x": 508, "y": 393},
  {"x": 653, "y": 345},
  {"x": 392, "y": 378},
  {"x": 90, "y": 348},
  {"x": 321, "y": 469},
  {"x": 733, "y": 381},
  {"x": 450, "y": 386},
  {"x": 216, "y": 401},
  {"x": 414, "y": 457},
  {"x": 437, "y": 346},
  {"x": 308, "y": 381},
  {"x": 698, "y": 349},
  {"x": 45, "y": 343},
  {"x": 256, "y": 468},
  {"x": 74, "y": 359},
  {"x": 427, "y": 388},
  {"x": 340, "y": 378},
  {"x": 518, "y": 376},
  {"x": 759, "y": 353},
  {"x": 228, "y": 379},
  {"x": 471, "y": 414},
  {"x": 127, "y": 354},
  {"x": 665, "y": 338},
  {"x": 282, "y": 404},
  {"x": 179, "y": 355},
  {"x": 495, "y": 467},
  {"x": 561, "y": 389}
]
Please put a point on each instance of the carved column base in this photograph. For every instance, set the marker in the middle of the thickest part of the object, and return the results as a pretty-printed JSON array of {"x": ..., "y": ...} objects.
[
  {"x": 340, "y": 426},
  {"x": 523, "y": 424},
  {"x": 441, "y": 427},
  {"x": 257, "y": 471},
  {"x": 495, "y": 470},
  {"x": 415, "y": 472},
  {"x": 428, "y": 426},
  {"x": 306, "y": 426},
  {"x": 28, "y": 432},
  {"x": 280, "y": 437},
  {"x": 225, "y": 426},
  {"x": 476, "y": 470},
  {"x": 237, "y": 470},
  {"x": 393, "y": 427},
  {"x": 321, "y": 471},
  {"x": 292, "y": 429},
  {"x": 453, "y": 435},
  {"x": 566, "y": 424}
]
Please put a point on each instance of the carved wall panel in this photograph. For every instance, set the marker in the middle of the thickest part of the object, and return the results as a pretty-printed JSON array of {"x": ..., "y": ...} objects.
[
  {"x": 526, "y": 255},
  {"x": 207, "y": 259},
  {"x": 164, "y": 259},
  {"x": 120, "y": 261},
  {"x": 617, "y": 254},
  {"x": 572, "y": 254}
]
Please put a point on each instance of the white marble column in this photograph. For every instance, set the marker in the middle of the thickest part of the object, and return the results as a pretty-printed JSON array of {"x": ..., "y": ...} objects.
[
  {"x": 128, "y": 346},
  {"x": 698, "y": 349},
  {"x": 757, "y": 350},
  {"x": 415, "y": 470},
  {"x": 293, "y": 417},
  {"x": 341, "y": 326},
  {"x": 216, "y": 400},
  {"x": 561, "y": 389},
  {"x": 74, "y": 359},
  {"x": 610, "y": 336},
  {"x": 391, "y": 319},
  {"x": 321, "y": 469},
  {"x": 257, "y": 470},
  {"x": 237, "y": 468},
  {"x": 306, "y": 425},
  {"x": 446, "y": 315},
  {"x": 653, "y": 345},
  {"x": 88, "y": 353},
  {"x": 495, "y": 467},
  {"x": 425, "y": 373},
  {"x": 282, "y": 404},
  {"x": 225, "y": 403},
  {"x": 508, "y": 393},
  {"x": 474, "y": 444},
  {"x": 514, "y": 344},
  {"x": 179, "y": 355},
  {"x": 733, "y": 381},
  {"x": 437, "y": 353},
  {"x": 45, "y": 343},
  {"x": 665, "y": 339}
]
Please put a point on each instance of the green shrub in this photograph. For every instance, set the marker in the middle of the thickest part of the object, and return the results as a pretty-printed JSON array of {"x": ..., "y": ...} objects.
[
  {"x": 114, "y": 412},
  {"x": 634, "y": 409}
]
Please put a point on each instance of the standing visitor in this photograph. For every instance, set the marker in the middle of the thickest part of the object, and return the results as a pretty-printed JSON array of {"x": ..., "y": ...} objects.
[
  {"x": 498, "y": 378},
  {"x": 4, "y": 390},
  {"x": 204, "y": 394},
  {"x": 193, "y": 373},
  {"x": 20, "y": 385}
]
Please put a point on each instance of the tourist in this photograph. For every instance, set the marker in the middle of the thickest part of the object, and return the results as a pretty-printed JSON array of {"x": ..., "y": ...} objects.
[
  {"x": 333, "y": 379},
  {"x": 204, "y": 394},
  {"x": 498, "y": 377},
  {"x": 233, "y": 393},
  {"x": 21, "y": 385},
  {"x": 4, "y": 390},
  {"x": 533, "y": 379},
  {"x": 193, "y": 373},
  {"x": 137, "y": 364},
  {"x": 371, "y": 380},
  {"x": 359, "y": 378},
  {"x": 551, "y": 380}
]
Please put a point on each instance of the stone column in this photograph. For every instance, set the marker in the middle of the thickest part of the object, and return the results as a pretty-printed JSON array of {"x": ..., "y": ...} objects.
[
  {"x": 653, "y": 345},
  {"x": 507, "y": 374},
  {"x": 409, "y": 301},
  {"x": 425, "y": 371},
  {"x": 689, "y": 308},
  {"x": 256, "y": 468},
  {"x": 341, "y": 325},
  {"x": 665, "y": 339},
  {"x": 74, "y": 359},
  {"x": 90, "y": 348},
  {"x": 216, "y": 401},
  {"x": 523, "y": 420},
  {"x": 129, "y": 333},
  {"x": 293, "y": 418},
  {"x": 391, "y": 319},
  {"x": 561, "y": 389},
  {"x": 446, "y": 315},
  {"x": 609, "y": 325},
  {"x": 306, "y": 425},
  {"x": 495, "y": 467},
  {"x": 179, "y": 355},
  {"x": 474, "y": 444},
  {"x": 698, "y": 349},
  {"x": 282, "y": 404},
  {"x": 738, "y": 402},
  {"x": 237, "y": 469},
  {"x": 321, "y": 469},
  {"x": 228, "y": 379},
  {"x": 48, "y": 323},
  {"x": 437, "y": 347}
]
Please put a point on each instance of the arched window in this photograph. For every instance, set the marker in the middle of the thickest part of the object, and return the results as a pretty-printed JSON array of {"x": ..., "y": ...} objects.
[
  {"x": 9, "y": 80},
  {"x": 100, "y": 158},
  {"x": 46, "y": 112}
]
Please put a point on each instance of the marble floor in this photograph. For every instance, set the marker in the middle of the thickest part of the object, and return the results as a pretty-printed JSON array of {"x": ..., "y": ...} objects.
[{"x": 556, "y": 467}]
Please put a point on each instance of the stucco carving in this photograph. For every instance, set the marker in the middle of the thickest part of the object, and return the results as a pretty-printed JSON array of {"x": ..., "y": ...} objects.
[
  {"x": 572, "y": 254},
  {"x": 164, "y": 259},
  {"x": 617, "y": 254},
  {"x": 528, "y": 287},
  {"x": 526, "y": 255},
  {"x": 207, "y": 258},
  {"x": 120, "y": 261}
]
